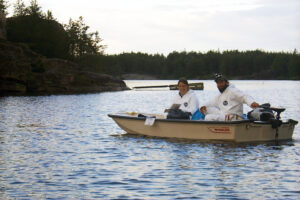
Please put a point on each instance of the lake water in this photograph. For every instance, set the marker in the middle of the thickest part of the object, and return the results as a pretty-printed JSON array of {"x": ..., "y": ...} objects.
[{"x": 65, "y": 147}]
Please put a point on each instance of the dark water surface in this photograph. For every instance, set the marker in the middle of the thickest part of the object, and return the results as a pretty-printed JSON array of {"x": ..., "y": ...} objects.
[{"x": 65, "y": 147}]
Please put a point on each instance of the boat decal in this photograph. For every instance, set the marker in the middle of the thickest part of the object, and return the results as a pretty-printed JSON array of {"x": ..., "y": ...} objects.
[{"x": 221, "y": 130}]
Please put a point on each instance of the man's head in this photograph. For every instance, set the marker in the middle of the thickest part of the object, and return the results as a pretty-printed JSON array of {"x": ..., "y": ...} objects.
[
  {"x": 222, "y": 82},
  {"x": 183, "y": 86}
]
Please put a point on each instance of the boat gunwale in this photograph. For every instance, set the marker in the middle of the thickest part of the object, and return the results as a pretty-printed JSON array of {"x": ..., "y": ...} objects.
[{"x": 195, "y": 121}]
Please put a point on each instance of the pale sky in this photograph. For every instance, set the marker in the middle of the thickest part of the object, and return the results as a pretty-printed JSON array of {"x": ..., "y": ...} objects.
[{"x": 163, "y": 26}]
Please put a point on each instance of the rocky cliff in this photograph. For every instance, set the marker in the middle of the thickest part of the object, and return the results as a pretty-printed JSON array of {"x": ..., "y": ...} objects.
[{"x": 23, "y": 71}]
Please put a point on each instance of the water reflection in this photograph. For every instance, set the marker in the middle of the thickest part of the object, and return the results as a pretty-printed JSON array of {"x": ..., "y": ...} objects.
[{"x": 224, "y": 167}]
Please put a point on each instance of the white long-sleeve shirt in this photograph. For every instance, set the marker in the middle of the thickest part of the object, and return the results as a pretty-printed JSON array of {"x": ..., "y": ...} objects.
[
  {"x": 188, "y": 102},
  {"x": 231, "y": 101}
]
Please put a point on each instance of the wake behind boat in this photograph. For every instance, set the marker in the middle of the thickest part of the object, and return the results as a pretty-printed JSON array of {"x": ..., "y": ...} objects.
[{"x": 236, "y": 131}]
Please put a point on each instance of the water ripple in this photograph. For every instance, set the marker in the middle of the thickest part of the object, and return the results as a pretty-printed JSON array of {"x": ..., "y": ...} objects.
[{"x": 65, "y": 147}]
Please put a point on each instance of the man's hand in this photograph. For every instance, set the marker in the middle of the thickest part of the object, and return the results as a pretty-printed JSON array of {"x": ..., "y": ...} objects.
[
  {"x": 254, "y": 105},
  {"x": 203, "y": 110}
]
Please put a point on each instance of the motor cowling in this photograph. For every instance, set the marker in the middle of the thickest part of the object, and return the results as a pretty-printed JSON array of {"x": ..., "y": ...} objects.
[{"x": 262, "y": 113}]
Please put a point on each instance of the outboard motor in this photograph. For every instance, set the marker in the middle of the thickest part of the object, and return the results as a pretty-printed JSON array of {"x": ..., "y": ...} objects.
[
  {"x": 261, "y": 113},
  {"x": 277, "y": 122},
  {"x": 265, "y": 113}
]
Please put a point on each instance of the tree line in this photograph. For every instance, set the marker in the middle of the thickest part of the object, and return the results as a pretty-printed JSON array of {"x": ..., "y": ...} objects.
[
  {"x": 45, "y": 35},
  {"x": 256, "y": 64}
]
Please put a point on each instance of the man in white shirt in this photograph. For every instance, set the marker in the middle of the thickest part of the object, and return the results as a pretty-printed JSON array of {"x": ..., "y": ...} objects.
[
  {"x": 228, "y": 105},
  {"x": 186, "y": 98}
]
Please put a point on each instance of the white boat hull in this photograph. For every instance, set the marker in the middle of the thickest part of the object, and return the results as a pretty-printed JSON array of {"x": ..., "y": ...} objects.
[{"x": 237, "y": 131}]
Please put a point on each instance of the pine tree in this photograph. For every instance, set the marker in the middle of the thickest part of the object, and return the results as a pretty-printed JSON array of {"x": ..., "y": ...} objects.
[
  {"x": 34, "y": 9},
  {"x": 81, "y": 42},
  {"x": 3, "y": 7},
  {"x": 19, "y": 8}
]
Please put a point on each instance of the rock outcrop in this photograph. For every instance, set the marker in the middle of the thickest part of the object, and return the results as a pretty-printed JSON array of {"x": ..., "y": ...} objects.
[{"x": 23, "y": 71}]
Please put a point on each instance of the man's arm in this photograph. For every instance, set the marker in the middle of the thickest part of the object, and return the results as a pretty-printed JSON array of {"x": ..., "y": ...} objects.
[
  {"x": 212, "y": 103},
  {"x": 244, "y": 98}
]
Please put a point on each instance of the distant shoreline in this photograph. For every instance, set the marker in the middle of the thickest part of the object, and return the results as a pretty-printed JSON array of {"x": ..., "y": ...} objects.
[{"x": 138, "y": 77}]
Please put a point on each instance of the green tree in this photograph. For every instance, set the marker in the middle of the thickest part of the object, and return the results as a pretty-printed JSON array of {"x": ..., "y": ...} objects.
[
  {"x": 46, "y": 37},
  {"x": 34, "y": 9},
  {"x": 3, "y": 7},
  {"x": 49, "y": 15},
  {"x": 279, "y": 65},
  {"x": 195, "y": 67},
  {"x": 294, "y": 65},
  {"x": 80, "y": 41},
  {"x": 212, "y": 63},
  {"x": 227, "y": 62},
  {"x": 19, "y": 8}
]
